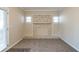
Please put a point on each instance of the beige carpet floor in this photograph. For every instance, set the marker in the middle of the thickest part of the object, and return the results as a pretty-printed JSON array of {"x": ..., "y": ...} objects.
[{"x": 44, "y": 45}]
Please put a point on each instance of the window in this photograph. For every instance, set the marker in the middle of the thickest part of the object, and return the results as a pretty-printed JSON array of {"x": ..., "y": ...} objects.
[
  {"x": 1, "y": 19},
  {"x": 28, "y": 19},
  {"x": 3, "y": 29},
  {"x": 1, "y": 24},
  {"x": 55, "y": 19}
]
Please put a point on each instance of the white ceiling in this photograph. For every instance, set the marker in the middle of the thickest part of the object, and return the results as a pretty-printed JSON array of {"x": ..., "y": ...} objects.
[{"x": 42, "y": 8}]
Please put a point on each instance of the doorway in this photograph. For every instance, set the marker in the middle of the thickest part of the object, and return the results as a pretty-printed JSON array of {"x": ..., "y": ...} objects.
[{"x": 3, "y": 29}]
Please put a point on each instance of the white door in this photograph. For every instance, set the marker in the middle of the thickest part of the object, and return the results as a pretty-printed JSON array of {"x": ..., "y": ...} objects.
[{"x": 3, "y": 30}]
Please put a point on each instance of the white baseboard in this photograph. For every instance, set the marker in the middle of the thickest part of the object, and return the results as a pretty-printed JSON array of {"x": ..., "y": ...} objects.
[
  {"x": 11, "y": 45},
  {"x": 70, "y": 44},
  {"x": 31, "y": 37}
]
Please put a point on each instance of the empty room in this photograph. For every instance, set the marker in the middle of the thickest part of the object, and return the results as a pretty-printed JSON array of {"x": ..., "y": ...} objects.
[{"x": 39, "y": 29}]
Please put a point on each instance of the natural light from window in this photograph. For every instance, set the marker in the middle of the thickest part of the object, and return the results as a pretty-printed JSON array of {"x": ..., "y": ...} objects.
[
  {"x": 1, "y": 20},
  {"x": 55, "y": 19},
  {"x": 28, "y": 19}
]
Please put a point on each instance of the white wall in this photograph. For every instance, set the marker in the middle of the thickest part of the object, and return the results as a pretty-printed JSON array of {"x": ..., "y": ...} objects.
[
  {"x": 29, "y": 26},
  {"x": 69, "y": 26},
  {"x": 16, "y": 25}
]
